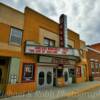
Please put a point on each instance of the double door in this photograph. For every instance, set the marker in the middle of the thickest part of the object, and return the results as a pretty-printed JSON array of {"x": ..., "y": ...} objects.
[{"x": 45, "y": 77}]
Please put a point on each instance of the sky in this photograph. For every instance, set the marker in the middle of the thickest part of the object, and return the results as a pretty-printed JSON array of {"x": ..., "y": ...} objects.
[{"x": 83, "y": 16}]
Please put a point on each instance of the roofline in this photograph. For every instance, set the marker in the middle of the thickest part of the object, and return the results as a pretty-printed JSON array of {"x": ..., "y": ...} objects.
[
  {"x": 8, "y": 6},
  {"x": 41, "y": 14},
  {"x": 35, "y": 12},
  {"x": 95, "y": 44},
  {"x": 92, "y": 49},
  {"x": 73, "y": 32}
]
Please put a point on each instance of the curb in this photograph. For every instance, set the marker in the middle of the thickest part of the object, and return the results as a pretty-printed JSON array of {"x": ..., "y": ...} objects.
[{"x": 76, "y": 92}]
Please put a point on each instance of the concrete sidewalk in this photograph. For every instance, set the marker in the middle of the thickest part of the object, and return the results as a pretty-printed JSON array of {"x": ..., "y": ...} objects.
[{"x": 55, "y": 92}]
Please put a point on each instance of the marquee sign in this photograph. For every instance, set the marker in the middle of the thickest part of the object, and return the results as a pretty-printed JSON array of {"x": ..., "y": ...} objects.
[
  {"x": 63, "y": 36},
  {"x": 29, "y": 49}
]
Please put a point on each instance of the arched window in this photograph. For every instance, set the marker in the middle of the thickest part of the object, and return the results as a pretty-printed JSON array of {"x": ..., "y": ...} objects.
[
  {"x": 41, "y": 78},
  {"x": 49, "y": 77},
  {"x": 66, "y": 76}
]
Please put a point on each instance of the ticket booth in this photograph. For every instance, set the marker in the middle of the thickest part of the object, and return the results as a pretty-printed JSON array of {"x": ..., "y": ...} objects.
[{"x": 62, "y": 75}]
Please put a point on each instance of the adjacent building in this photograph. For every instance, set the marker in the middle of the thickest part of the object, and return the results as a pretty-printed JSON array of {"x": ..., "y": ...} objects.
[
  {"x": 37, "y": 52},
  {"x": 94, "y": 60}
]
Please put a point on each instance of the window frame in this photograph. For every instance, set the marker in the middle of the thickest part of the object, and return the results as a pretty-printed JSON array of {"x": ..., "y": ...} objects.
[
  {"x": 33, "y": 72},
  {"x": 10, "y": 35},
  {"x": 49, "y": 41}
]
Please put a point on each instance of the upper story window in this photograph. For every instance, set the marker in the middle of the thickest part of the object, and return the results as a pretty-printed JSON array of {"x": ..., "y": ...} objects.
[
  {"x": 49, "y": 42},
  {"x": 71, "y": 43},
  {"x": 15, "y": 36}
]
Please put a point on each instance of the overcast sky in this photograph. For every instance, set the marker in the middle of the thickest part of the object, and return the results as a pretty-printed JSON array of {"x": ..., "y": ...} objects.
[{"x": 83, "y": 15}]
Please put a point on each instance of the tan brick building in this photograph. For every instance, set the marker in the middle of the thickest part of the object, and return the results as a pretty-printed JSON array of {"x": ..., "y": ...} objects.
[{"x": 30, "y": 55}]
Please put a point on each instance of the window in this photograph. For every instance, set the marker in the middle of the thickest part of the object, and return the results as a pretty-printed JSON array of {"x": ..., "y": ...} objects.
[
  {"x": 49, "y": 77},
  {"x": 28, "y": 72},
  {"x": 15, "y": 36},
  {"x": 92, "y": 66},
  {"x": 66, "y": 76},
  {"x": 45, "y": 59},
  {"x": 49, "y": 42},
  {"x": 71, "y": 72},
  {"x": 41, "y": 78},
  {"x": 97, "y": 67}
]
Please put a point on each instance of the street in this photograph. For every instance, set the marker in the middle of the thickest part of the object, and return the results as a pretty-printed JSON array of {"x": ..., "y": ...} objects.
[
  {"x": 90, "y": 95},
  {"x": 60, "y": 93}
]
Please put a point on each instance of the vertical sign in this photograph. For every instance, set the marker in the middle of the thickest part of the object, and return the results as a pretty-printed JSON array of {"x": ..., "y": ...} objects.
[{"x": 63, "y": 37}]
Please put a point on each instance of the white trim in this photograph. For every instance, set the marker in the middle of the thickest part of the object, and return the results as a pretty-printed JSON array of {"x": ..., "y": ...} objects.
[{"x": 93, "y": 50}]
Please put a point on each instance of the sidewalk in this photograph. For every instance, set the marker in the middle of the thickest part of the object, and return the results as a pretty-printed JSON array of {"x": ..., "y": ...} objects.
[{"x": 55, "y": 92}]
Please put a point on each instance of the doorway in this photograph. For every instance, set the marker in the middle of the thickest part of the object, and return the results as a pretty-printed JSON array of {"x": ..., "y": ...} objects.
[
  {"x": 45, "y": 77},
  {"x": 66, "y": 76},
  {"x": 3, "y": 73},
  {"x": 0, "y": 74},
  {"x": 72, "y": 75},
  {"x": 54, "y": 76}
]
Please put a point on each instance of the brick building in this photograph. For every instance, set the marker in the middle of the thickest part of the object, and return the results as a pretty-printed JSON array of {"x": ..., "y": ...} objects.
[
  {"x": 94, "y": 60},
  {"x": 37, "y": 52}
]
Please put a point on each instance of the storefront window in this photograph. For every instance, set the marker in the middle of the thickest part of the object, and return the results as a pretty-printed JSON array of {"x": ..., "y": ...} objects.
[
  {"x": 49, "y": 77},
  {"x": 71, "y": 72},
  {"x": 66, "y": 76},
  {"x": 28, "y": 72},
  {"x": 41, "y": 78}
]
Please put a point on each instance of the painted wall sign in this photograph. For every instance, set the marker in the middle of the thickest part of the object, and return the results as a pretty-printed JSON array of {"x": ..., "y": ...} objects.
[{"x": 63, "y": 36}]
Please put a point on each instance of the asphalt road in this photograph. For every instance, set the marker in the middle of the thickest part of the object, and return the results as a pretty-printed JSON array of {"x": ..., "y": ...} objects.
[{"x": 90, "y": 95}]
